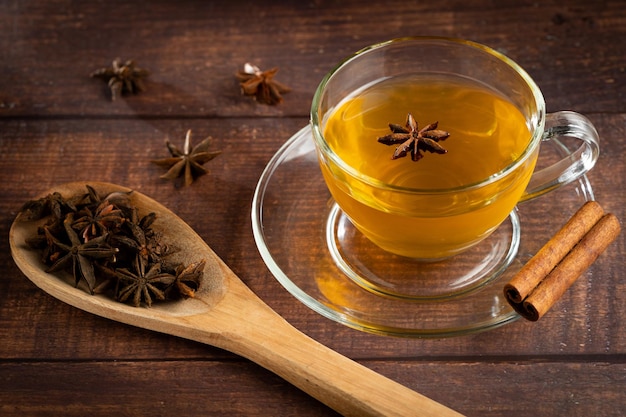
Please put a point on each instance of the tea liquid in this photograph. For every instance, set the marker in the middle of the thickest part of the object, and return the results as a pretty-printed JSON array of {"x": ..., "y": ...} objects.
[{"x": 487, "y": 134}]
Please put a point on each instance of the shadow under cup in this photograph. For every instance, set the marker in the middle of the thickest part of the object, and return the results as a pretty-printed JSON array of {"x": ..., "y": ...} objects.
[{"x": 432, "y": 224}]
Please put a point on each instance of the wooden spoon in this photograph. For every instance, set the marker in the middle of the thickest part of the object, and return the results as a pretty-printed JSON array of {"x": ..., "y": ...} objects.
[{"x": 228, "y": 315}]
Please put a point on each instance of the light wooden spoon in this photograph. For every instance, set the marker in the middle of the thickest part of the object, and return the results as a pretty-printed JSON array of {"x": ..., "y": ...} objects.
[{"x": 228, "y": 315}]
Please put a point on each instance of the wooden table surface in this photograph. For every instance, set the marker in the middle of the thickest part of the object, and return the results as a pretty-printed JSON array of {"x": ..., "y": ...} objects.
[{"x": 57, "y": 125}]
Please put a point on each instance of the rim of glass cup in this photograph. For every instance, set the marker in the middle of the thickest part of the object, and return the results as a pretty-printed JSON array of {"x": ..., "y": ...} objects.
[{"x": 537, "y": 127}]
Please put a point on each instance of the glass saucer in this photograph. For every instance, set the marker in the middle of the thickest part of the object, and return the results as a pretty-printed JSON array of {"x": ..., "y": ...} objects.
[{"x": 316, "y": 254}]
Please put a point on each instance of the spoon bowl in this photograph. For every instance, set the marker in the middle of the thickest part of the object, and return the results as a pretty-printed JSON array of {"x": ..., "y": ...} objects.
[{"x": 226, "y": 314}]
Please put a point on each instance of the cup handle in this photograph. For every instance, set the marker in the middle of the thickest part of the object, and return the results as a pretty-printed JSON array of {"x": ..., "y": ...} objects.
[{"x": 573, "y": 165}]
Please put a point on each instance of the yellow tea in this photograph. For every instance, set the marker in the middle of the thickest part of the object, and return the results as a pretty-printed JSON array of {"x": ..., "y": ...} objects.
[{"x": 430, "y": 208}]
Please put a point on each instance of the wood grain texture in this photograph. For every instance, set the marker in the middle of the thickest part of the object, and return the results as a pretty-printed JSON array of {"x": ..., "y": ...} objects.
[
  {"x": 58, "y": 125},
  {"x": 194, "y": 49},
  {"x": 158, "y": 388}
]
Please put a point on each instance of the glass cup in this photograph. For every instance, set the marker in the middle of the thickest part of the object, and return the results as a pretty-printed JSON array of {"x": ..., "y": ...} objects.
[{"x": 441, "y": 222}]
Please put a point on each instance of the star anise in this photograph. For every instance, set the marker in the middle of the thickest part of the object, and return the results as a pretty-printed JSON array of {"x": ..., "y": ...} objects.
[
  {"x": 188, "y": 278},
  {"x": 141, "y": 239},
  {"x": 122, "y": 77},
  {"x": 261, "y": 84},
  {"x": 414, "y": 140},
  {"x": 79, "y": 254},
  {"x": 106, "y": 217},
  {"x": 187, "y": 162},
  {"x": 142, "y": 285}
]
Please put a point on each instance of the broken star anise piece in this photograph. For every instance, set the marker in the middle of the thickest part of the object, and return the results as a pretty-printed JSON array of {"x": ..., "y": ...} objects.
[
  {"x": 122, "y": 77},
  {"x": 414, "y": 140},
  {"x": 188, "y": 278},
  {"x": 187, "y": 162},
  {"x": 261, "y": 84},
  {"x": 53, "y": 204}
]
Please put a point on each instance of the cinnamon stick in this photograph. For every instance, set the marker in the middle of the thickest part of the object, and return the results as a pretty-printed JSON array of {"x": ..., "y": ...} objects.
[
  {"x": 552, "y": 252},
  {"x": 544, "y": 279}
]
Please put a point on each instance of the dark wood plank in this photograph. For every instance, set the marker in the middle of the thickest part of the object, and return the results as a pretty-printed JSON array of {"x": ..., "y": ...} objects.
[
  {"x": 188, "y": 388},
  {"x": 192, "y": 388},
  {"x": 48, "y": 49}
]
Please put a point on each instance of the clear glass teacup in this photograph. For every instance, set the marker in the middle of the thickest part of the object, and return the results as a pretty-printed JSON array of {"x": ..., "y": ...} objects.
[{"x": 439, "y": 205}]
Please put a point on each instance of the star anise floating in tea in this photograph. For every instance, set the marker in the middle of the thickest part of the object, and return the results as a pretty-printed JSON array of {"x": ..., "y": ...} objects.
[
  {"x": 261, "y": 84},
  {"x": 102, "y": 242},
  {"x": 122, "y": 77},
  {"x": 188, "y": 161},
  {"x": 413, "y": 140}
]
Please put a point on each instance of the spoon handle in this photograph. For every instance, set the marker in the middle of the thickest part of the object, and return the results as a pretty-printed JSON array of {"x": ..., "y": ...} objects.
[{"x": 261, "y": 335}]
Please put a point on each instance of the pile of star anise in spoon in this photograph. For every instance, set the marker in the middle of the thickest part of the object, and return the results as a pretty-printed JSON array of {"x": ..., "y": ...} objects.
[{"x": 108, "y": 248}]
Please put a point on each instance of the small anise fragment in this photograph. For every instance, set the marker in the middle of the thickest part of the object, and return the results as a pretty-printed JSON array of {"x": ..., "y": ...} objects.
[
  {"x": 188, "y": 278},
  {"x": 261, "y": 84},
  {"x": 53, "y": 204},
  {"x": 122, "y": 77},
  {"x": 187, "y": 162},
  {"x": 413, "y": 140}
]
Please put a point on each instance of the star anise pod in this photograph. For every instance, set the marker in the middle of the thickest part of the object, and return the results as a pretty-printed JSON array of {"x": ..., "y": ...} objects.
[
  {"x": 80, "y": 255},
  {"x": 141, "y": 239},
  {"x": 122, "y": 78},
  {"x": 187, "y": 162},
  {"x": 106, "y": 218},
  {"x": 414, "y": 140},
  {"x": 142, "y": 285},
  {"x": 261, "y": 84}
]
